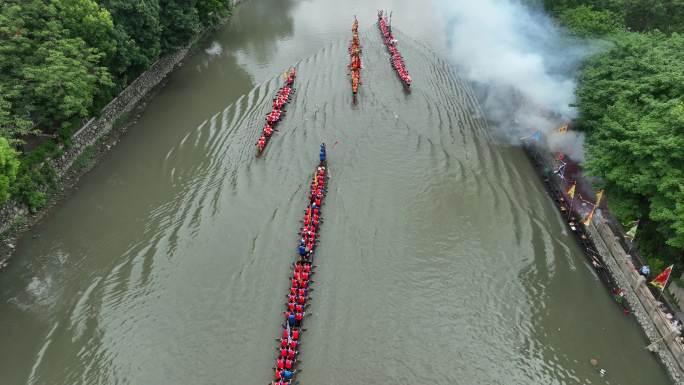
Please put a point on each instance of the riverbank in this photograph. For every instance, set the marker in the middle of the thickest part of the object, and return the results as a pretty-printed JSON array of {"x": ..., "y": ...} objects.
[
  {"x": 612, "y": 263},
  {"x": 91, "y": 142}
]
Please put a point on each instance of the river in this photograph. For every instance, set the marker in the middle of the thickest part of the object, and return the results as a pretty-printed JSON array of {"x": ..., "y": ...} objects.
[{"x": 442, "y": 260}]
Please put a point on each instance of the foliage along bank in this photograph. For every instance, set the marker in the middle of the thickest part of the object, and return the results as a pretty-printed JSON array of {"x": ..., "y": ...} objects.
[
  {"x": 61, "y": 61},
  {"x": 631, "y": 104}
]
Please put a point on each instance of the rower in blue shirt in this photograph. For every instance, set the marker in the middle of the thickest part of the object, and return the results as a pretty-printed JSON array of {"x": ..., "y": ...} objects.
[{"x": 302, "y": 250}]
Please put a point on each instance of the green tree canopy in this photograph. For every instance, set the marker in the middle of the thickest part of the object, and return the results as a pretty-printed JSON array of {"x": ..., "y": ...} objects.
[
  {"x": 49, "y": 73},
  {"x": 13, "y": 126},
  {"x": 63, "y": 78},
  {"x": 137, "y": 34},
  {"x": 179, "y": 21},
  {"x": 632, "y": 105},
  {"x": 211, "y": 11},
  {"x": 62, "y": 60},
  {"x": 87, "y": 20},
  {"x": 9, "y": 165},
  {"x": 638, "y": 15},
  {"x": 587, "y": 22}
]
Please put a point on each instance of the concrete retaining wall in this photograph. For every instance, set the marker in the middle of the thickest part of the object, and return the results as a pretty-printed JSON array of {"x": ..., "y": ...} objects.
[
  {"x": 96, "y": 128},
  {"x": 606, "y": 245},
  {"x": 118, "y": 107},
  {"x": 644, "y": 305},
  {"x": 99, "y": 127}
]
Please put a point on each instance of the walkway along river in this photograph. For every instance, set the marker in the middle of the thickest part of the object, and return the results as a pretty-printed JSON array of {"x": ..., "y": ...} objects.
[{"x": 445, "y": 260}]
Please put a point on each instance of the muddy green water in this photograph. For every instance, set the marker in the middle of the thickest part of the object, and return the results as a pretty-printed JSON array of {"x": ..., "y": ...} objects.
[{"x": 442, "y": 260}]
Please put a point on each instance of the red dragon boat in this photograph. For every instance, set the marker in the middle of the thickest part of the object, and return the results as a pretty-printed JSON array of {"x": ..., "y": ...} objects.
[
  {"x": 355, "y": 55},
  {"x": 283, "y": 96},
  {"x": 396, "y": 59}
]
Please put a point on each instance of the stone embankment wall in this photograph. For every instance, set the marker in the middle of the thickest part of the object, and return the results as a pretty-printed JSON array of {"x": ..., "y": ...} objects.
[
  {"x": 117, "y": 108},
  {"x": 622, "y": 272},
  {"x": 96, "y": 128},
  {"x": 645, "y": 307}
]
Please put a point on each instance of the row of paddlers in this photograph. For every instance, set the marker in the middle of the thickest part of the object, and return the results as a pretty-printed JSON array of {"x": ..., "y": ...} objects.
[
  {"x": 391, "y": 43},
  {"x": 355, "y": 55},
  {"x": 300, "y": 281},
  {"x": 283, "y": 96},
  {"x": 298, "y": 297}
]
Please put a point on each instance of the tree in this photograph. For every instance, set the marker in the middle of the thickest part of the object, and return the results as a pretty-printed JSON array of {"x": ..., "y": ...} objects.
[
  {"x": 180, "y": 22},
  {"x": 87, "y": 20},
  {"x": 666, "y": 16},
  {"x": 137, "y": 34},
  {"x": 47, "y": 72},
  {"x": 632, "y": 106},
  {"x": 60, "y": 60},
  {"x": 211, "y": 11},
  {"x": 9, "y": 165},
  {"x": 64, "y": 79},
  {"x": 13, "y": 127},
  {"x": 587, "y": 22},
  {"x": 16, "y": 47}
]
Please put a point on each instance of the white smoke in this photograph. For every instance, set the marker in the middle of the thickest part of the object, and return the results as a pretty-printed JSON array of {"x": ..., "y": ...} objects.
[{"x": 524, "y": 64}]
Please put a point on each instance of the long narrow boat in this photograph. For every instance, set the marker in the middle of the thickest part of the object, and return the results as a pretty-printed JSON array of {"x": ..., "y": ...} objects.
[
  {"x": 283, "y": 96},
  {"x": 396, "y": 59},
  {"x": 355, "y": 56},
  {"x": 300, "y": 279}
]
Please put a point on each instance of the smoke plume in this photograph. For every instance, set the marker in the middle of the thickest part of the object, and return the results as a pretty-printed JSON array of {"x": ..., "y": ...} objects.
[{"x": 523, "y": 66}]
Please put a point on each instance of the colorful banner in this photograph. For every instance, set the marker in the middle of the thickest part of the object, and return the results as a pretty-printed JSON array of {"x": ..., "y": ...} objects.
[
  {"x": 632, "y": 232},
  {"x": 571, "y": 191},
  {"x": 661, "y": 280},
  {"x": 599, "y": 197},
  {"x": 536, "y": 136},
  {"x": 561, "y": 169}
]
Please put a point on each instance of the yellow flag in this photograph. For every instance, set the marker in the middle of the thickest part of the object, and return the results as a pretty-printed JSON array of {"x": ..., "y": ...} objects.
[
  {"x": 599, "y": 197},
  {"x": 571, "y": 191},
  {"x": 632, "y": 232},
  {"x": 563, "y": 129}
]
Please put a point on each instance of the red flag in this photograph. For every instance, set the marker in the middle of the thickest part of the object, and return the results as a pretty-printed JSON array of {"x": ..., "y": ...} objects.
[{"x": 661, "y": 280}]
